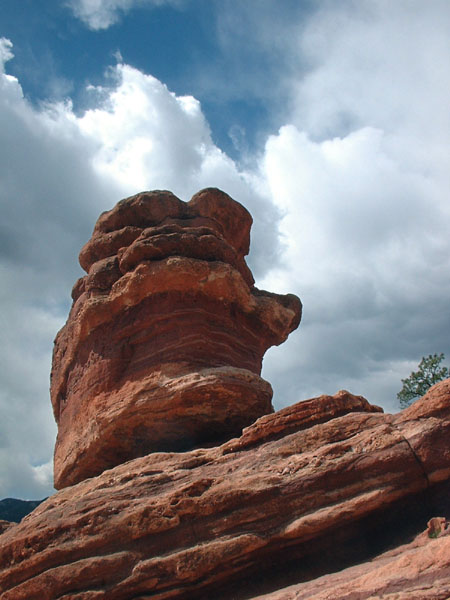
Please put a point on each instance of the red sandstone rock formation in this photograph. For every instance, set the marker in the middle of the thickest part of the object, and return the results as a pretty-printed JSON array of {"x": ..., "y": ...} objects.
[
  {"x": 299, "y": 488},
  {"x": 164, "y": 343}
]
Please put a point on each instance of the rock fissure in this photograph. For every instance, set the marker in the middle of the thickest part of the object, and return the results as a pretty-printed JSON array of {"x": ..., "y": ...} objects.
[{"x": 419, "y": 462}]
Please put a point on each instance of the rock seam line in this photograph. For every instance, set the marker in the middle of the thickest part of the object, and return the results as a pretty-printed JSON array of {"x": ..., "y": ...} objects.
[{"x": 419, "y": 462}]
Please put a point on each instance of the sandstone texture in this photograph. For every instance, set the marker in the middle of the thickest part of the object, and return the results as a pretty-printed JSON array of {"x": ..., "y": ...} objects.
[
  {"x": 306, "y": 491},
  {"x": 163, "y": 347}
]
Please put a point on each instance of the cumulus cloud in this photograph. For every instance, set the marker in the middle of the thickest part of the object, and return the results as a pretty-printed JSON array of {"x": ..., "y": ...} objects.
[
  {"x": 361, "y": 175},
  {"x": 380, "y": 64},
  {"x": 58, "y": 171},
  {"x": 101, "y": 14}
]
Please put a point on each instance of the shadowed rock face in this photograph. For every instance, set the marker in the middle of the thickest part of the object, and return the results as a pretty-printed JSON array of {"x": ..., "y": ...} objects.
[{"x": 163, "y": 346}]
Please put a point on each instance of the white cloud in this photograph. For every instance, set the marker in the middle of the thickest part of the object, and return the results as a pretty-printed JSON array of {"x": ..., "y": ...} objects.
[
  {"x": 101, "y": 14},
  {"x": 361, "y": 174},
  {"x": 382, "y": 64},
  {"x": 43, "y": 475},
  {"x": 5, "y": 53}
]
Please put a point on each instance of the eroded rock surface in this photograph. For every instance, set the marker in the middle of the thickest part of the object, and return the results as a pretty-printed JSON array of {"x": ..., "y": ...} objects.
[
  {"x": 300, "y": 486},
  {"x": 163, "y": 346}
]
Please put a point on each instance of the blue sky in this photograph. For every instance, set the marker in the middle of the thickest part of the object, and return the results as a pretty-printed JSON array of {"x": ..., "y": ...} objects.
[{"x": 328, "y": 120}]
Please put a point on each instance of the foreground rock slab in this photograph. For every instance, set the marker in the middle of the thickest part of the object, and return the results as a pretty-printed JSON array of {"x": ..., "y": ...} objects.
[
  {"x": 308, "y": 481},
  {"x": 163, "y": 347}
]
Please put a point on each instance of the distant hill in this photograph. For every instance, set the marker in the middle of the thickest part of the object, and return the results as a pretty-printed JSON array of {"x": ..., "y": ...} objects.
[{"x": 12, "y": 509}]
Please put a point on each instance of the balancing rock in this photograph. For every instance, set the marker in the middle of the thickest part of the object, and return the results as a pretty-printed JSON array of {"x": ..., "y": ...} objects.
[{"x": 163, "y": 347}]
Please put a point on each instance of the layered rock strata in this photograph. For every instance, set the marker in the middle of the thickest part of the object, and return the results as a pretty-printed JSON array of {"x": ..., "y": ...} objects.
[
  {"x": 325, "y": 476},
  {"x": 164, "y": 343}
]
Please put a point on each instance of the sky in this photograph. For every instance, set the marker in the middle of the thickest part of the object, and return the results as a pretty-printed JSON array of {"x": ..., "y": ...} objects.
[{"x": 328, "y": 120}]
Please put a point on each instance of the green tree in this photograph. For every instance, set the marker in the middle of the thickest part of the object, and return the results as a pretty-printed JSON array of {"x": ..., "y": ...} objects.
[{"x": 428, "y": 373}]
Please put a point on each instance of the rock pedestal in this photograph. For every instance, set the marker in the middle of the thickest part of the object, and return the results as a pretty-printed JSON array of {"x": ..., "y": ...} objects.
[{"x": 163, "y": 347}]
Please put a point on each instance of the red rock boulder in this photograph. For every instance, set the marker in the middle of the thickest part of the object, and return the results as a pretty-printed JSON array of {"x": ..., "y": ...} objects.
[{"x": 164, "y": 343}]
